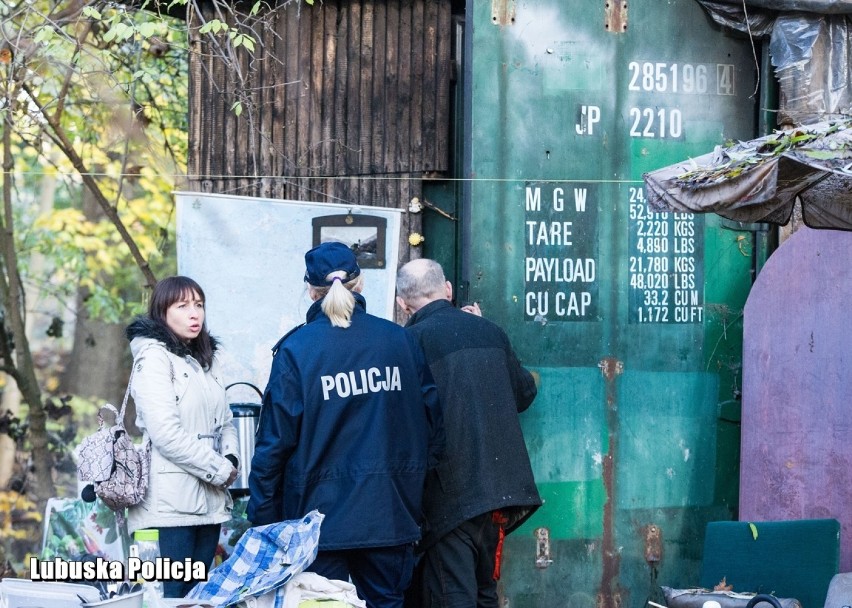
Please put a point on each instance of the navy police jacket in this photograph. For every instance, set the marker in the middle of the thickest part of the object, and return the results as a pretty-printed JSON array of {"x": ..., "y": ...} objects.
[{"x": 350, "y": 423}]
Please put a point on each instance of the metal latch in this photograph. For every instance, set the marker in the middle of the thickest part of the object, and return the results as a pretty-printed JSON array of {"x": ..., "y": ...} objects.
[{"x": 542, "y": 548}]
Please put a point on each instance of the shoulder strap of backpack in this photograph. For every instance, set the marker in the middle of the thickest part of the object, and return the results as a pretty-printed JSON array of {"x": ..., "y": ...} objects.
[{"x": 120, "y": 417}]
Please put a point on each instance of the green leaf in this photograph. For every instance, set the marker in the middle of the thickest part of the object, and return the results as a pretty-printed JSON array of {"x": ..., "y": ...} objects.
[
  {"x": 237, "y": 108},
  {"x": 147, "y": 29},
  {"x": 248, "y": 42},
  {"x": 119, "y": 31},
  {"x": 256, "y": 8},
  {"x": 820, "y": 154},
  {"x": 91, "y": 13},
  {"x": 214, "y": 25},
  {"x": 45, "y": 34},
  {"x": 753, "y": 529}
]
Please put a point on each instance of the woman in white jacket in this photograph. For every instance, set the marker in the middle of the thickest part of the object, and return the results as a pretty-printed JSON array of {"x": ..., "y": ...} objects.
[{"x": 181, "y": 406}]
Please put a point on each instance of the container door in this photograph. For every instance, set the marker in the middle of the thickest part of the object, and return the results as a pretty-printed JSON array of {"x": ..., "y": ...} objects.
[{"x": 631, "y": 320}]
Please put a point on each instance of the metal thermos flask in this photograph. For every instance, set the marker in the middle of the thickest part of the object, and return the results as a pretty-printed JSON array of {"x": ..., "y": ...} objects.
[{"x": 246, "y": 417}]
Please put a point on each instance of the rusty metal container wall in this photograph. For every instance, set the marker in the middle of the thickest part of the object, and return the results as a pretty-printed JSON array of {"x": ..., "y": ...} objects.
[{"x": 632, "y": 321}]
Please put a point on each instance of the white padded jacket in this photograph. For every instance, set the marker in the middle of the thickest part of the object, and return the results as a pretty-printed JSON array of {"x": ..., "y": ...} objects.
[{"x": 183, "y": 410}]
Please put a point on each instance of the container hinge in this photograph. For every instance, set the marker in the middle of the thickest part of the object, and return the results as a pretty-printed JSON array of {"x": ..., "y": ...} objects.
[
  {"x": 503, "y": 12},
  {"x": 615, "y": 16}
]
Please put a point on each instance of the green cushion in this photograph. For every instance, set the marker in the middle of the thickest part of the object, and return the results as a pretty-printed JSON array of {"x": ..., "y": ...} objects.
[{"x": 795, "y": 558}]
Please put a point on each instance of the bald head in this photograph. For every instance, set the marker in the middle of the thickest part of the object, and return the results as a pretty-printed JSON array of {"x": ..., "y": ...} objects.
[{"x": 419, "y": 282}]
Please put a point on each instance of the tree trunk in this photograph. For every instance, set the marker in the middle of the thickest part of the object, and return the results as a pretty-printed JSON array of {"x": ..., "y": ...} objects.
[
  {"x": 19, "y": 363},
  {"x": 11, "y": 400},
  {"x": 99, "y": 365}
]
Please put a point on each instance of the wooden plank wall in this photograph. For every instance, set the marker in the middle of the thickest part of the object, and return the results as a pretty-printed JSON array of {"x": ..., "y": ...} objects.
[{"x": 344, "y": 101}]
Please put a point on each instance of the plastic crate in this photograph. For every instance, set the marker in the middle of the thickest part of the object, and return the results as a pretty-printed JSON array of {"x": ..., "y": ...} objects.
[{"x": 24, "y": 593}]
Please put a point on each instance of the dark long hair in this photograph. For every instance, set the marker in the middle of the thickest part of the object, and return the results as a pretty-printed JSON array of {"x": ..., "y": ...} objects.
[{"x": 167, "y": 292}]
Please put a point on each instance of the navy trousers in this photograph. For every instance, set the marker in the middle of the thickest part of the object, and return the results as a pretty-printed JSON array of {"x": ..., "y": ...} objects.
[
  {"x": 380, "y": 574},
  {"x": 458, "y": 570},
  {"x": 195, "y": 542}
]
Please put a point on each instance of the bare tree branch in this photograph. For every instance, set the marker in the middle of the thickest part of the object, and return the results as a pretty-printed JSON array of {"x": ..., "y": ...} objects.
[{"x": 68, "y": 149}]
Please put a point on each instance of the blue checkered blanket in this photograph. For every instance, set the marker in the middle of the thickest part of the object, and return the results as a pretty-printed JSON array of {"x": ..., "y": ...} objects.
[{"x": 265, "y": 558}]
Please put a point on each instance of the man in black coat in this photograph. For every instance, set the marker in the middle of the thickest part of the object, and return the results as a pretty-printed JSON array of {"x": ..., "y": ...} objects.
[{"x": 483, "y": 487}]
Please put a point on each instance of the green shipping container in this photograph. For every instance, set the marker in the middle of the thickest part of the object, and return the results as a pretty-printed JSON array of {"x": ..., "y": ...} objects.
[{"x": 631, "y": 320}]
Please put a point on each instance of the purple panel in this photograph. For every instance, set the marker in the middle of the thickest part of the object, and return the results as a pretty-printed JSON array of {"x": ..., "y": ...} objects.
[{"x": 796, "y": 458}]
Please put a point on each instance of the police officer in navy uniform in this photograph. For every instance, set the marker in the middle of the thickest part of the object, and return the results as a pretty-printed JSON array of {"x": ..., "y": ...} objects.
[{"x": 350, "y": 424}]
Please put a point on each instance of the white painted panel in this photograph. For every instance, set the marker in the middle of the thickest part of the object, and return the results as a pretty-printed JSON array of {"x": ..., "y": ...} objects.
[{"x": 248, "y": 255}]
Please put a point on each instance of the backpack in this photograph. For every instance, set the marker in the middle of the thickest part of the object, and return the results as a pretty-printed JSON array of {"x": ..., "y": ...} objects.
[{"x": 118, "y": 469}]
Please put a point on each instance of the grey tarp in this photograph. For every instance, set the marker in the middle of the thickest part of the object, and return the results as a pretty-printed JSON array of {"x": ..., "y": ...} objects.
[
  {"x": 810, "y": 45},
  {"x": 759, "y": 180},
  {"x": 826, "y": 7}
]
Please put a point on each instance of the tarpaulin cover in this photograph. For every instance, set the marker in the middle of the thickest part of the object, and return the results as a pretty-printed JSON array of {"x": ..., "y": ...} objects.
[
  {"x": 809, "y": 49},
  {"x": 828, "y": 7},
  {"x": 759, "y": 180}
]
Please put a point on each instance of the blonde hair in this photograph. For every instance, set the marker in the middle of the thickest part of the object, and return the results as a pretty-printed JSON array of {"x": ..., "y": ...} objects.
[{"x": 337, "y": 299}]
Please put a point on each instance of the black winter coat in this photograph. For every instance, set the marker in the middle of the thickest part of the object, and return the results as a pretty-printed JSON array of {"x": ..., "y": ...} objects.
[{"x": 482, "y": 388}]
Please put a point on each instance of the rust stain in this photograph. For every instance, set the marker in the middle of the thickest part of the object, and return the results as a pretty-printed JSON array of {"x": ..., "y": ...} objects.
[
  {"x": 610, "y": 593},
  {"x": 615, "y": 16}
]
